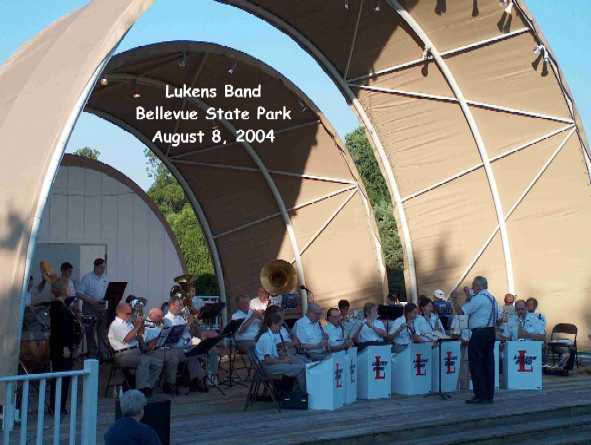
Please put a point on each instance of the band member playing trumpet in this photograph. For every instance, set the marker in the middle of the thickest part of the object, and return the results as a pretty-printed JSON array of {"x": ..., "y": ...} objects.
[
  {"x": 267, "y": 352},
  {"x": 309, "y": 334},
  {"x": 252, "y": 321},
  {"x": 402, "y": 330},
  {"x": 372, "y": 330},
  {"x": 124, "y": 339},
  {"x": 337, "y": 340}
]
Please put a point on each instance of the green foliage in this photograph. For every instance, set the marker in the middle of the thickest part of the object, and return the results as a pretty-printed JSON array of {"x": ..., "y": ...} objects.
[
  {"x": 88, "y": 152},
  {"x": 379, "y": 197},
  {"x": 168, "y": 194}
]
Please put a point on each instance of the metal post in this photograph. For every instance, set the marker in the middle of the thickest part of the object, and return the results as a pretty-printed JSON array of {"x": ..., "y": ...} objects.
[{"x": 89, "y": 402}]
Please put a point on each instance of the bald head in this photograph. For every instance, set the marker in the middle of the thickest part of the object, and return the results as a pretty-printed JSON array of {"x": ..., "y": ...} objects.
[
  {"x": 314, "y": 312},
  {"x": 156, "y": 315},
  {"x": 123, "y": 311}
]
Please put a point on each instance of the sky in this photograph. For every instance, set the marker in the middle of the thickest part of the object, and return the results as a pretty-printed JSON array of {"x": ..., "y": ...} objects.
[{"x": 565, "y": 24}]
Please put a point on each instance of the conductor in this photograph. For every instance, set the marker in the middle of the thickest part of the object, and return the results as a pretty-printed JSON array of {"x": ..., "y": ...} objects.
[{"x": 481, "y": 309}]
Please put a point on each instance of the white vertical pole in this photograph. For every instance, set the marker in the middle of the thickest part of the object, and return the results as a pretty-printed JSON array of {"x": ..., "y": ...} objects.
[{"x": 89, "y": 402}]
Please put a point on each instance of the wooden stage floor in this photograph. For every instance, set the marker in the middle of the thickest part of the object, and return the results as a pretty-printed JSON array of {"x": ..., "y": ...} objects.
[{"x": 214, "y": 419}]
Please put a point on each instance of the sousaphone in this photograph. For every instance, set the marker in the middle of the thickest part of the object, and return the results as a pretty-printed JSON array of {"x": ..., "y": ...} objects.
[{"x": 278, "y": 277}]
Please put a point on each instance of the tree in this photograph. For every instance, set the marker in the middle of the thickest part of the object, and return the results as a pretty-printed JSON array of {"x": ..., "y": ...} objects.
[
  {"x": 87, "y": 152},
  {"x": 168, "y": 194},
  {"x": 379, "y": 198}
]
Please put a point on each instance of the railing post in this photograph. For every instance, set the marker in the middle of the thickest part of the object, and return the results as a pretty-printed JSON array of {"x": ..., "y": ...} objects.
[{"x": 89, "y": 402}]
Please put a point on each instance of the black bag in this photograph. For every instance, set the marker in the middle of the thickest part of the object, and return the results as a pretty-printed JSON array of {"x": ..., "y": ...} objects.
[{"x": 294, "y": 400}]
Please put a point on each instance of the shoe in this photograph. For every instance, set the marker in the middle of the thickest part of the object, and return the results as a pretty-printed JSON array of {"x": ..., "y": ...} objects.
[
  {"x": 487, "y": 401},
  {"x": 474, "y": 401},
  {"x": 147, "y": 392},
  {"x": 169, "y": 388}
]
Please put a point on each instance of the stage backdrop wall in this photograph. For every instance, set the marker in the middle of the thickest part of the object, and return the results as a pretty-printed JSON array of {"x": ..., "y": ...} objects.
[{"x": 94, "y": 209}]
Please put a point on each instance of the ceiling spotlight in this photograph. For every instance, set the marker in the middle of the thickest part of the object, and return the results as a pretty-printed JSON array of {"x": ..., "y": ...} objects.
[
  {"x": 231, "y": 70},
  {"x": 136, "y": 93},
  {"x": 183, "y": 61},
  {"x": 104, "y": 82},
  {"x": 377, "y": 8},
  {"x": 303, "y": 106},
  {"x": 347, "y": 5}
]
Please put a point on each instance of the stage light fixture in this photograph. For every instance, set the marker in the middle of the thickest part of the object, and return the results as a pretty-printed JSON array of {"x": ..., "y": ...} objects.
[
  {"x": 136, "y": 93},
  {"x": 104, "y": 82},
  {"x": 183, "y": 61},
  {"x": 378, "y": 7},
  {"x": 347, "y": 5},
  {"x": 233, "y": 68}
]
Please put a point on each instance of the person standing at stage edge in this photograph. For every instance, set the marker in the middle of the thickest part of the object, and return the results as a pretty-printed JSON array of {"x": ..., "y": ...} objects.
[{"x": 481, "y": 308}]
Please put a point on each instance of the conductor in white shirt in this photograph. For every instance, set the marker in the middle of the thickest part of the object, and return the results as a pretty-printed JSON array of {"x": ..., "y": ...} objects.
[
  {"x": 92, "y": 291},
  {"x": 482, "y": 311}
]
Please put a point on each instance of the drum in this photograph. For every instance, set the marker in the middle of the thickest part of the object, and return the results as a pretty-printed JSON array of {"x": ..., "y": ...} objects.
[{"x": 35, "y": 355}]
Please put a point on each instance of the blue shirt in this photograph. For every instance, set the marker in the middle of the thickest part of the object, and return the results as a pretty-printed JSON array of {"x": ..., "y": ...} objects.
[
  {"x": 481, "y": 310},
  {"x": 128, "y": 431}
]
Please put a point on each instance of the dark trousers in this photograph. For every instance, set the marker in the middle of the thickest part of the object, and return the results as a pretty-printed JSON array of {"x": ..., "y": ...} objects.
[
  {"x": 482, "y": 362},
  {"x": 59, "y": 365}
]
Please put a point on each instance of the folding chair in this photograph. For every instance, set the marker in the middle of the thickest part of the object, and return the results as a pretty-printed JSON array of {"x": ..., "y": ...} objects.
[
  {"x": 259, "y": 378},
  {"x": 559, "y": 344}
]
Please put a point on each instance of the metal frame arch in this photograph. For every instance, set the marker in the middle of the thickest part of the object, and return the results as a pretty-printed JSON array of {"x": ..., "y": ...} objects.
[
  {"x": 416, "y": 27},
  {"x": 217, "y": 264},
  {"x": 378, "y": 147}
]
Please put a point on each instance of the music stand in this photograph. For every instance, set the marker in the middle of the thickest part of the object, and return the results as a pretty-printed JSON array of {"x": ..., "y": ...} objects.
[
  {"x": 441, "y": 394},
  {"x": 229, "y": 331},
  {"x": 203, "y": 349}
]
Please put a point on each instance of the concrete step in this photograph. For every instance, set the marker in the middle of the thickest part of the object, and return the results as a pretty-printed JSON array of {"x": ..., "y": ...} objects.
[{"x": 557, "y": 429}]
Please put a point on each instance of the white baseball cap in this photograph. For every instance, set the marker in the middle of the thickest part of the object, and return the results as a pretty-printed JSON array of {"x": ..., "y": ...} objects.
[{"x": 439, "y": 294}]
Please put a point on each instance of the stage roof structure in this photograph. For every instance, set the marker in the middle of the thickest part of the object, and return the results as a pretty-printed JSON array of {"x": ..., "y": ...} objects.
[{"x": 469, "y": 115}]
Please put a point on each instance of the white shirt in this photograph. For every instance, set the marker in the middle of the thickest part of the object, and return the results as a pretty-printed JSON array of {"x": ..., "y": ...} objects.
[
  {"x": 511, "y": 327},
  {"x": 404, "y": 337},
  {"x": 368, "y": 334},
  {"x": 174, "y": 320},
  {"x": 257, "y": 305},
  {"x": 430, "y": 328},
  {"x": 534, "y": 323},
  {"x": 93, "y": 286},
  {"x": 266, "y": 345},
  {"x": 480, "y": 311},
  {"x": 307, "y": 331},
  {"x": 282, "y": 334},
  {"x": 335, "y": 334},
  {"x": 118, "y": 331},
  {"x": 253, "y": 328}
]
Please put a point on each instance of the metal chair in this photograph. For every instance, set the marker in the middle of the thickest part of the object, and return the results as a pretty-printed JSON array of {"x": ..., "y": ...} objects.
[
  {"x": 260, "y": 378},
  {"x": 563, "y": 339}
]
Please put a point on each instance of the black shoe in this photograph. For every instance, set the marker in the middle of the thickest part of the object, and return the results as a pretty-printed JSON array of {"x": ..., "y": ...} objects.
[
  {"x": 487, "y": 401},
  {"x": 168, "y": 388},
  {"x": 147, "y": 392},
  {"x": 474, "y": 401}
]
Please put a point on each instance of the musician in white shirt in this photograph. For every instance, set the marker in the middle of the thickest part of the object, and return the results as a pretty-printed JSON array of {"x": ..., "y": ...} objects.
[
  {"x": 428, "y": 325},
  {"x": 92, "y": 291},
  {"x": 337, "y": 341},
  {"x": 372, "y": 330},
  {"x": 309, "y": 334},
  {"x": 538, "y": 318},
  {"x": 403, "y": 331},
  {"x": 530, "y": 325},
  {"x": 268, "y": 354},
  {"x": 248, "y": 330},
  {"x": 123, "y": 337},
  {"x": 197, "y": 375},
  {"x": 260, "y": 302}
]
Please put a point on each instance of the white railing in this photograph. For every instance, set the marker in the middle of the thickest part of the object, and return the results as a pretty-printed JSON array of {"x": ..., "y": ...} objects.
[{"x": 16, "y": 406}]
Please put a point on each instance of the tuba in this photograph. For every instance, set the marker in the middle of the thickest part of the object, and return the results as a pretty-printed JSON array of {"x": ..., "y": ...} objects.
[
  {"x": 278, "y": 277},
  {"x": 186, "y": 289}
]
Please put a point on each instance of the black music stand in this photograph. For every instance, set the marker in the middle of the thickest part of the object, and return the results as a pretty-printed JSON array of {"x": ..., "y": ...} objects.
[
  {"x": 441, "y": 394},
  {"x": 229, "y": 331}
]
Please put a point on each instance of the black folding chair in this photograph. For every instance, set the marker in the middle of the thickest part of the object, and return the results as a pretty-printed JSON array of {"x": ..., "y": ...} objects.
[
  {"x": 563, "y": 340},
  {"x": 260, "y": 378}
]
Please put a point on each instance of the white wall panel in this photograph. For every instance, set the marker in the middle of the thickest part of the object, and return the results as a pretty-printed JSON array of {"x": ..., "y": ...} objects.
[{"x": 87, "y": 206}]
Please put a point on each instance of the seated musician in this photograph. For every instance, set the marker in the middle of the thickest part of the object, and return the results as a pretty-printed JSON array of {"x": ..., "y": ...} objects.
[
  {"x": 261, "y": 301},
  {"x": 402, "y": 330},
  {"x": 123, "y": 337},
  {"x": 539, "y": 319},
  {"x": 282, "y": 337},
  {"x": 309, "y": 335},
  {"x": 530, "y": 325},
  {"x": 273, "y": 363},
  {"x": 191, "y": 336},
  {"x": 337, "y": 341},
  {"x": 372, "y": 330},
  {"x": 248, "y": 330},
  {"x": 153, "y": 328},
  {"x": 428, "y": 325}
]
